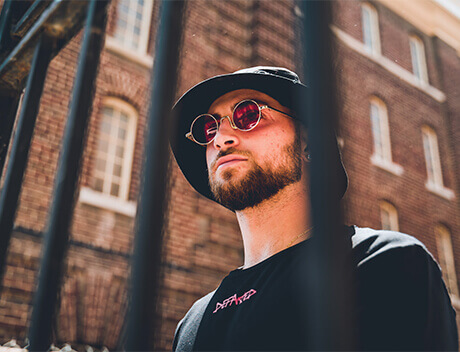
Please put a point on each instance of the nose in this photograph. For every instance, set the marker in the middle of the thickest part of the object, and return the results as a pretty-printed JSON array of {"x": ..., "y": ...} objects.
[{"x": 226, "y": 136}]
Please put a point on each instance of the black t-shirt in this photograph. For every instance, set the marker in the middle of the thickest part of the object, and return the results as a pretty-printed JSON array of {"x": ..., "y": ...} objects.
[
  {"x": 401, "y": 301},
  {"x": 256, "y": 308}
]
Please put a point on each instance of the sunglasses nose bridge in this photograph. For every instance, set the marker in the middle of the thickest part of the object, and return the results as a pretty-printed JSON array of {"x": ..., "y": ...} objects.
[{"x": 230, "y": 121}]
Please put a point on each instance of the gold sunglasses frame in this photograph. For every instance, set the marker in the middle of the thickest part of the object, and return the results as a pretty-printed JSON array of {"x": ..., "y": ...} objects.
[{"x": 189, "y": 135}]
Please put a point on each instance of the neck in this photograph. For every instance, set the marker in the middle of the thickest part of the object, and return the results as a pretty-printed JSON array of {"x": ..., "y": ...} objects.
[{"x": 275, "y": 224}]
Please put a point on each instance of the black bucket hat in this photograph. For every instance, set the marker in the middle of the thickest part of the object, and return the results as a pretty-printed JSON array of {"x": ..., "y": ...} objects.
[{"x": 280, "y": 83}]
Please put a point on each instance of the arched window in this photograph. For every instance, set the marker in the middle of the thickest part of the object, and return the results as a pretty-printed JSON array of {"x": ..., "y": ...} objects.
[
  {"x": 380, "y": 129},
  {"x": 388, "y": 216},
  {"x": 115, "y": 147},
  {"x": 432, "y": 159},
  {"x": 417, "y": 51},
  {"x": 446, "y": 258},
  {"x": 434, "y": 181},
  {"x": 371, "y": 35}
]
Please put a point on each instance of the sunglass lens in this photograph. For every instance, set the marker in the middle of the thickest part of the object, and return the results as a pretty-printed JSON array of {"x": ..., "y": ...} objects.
[
  {"x": 246, "y": 115},
  {"x": 204, "y": 128}
]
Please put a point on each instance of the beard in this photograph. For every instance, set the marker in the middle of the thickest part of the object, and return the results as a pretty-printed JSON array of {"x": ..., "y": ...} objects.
[{"x": 259, "y": 184}]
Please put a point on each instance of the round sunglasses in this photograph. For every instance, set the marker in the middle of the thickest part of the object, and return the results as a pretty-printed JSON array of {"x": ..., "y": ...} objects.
[{"x": 245, "y": 117}]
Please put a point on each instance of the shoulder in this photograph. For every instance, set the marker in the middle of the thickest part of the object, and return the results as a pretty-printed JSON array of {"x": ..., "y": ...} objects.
[
  {"x": 404, "y": 304},
  {"x": 186, "y": 330},
  {"x": 369, "y": 245}
]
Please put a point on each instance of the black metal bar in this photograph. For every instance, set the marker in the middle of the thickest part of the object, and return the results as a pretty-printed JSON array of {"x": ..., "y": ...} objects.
[
  {"x": 6, "y": 18},
  {"x": 29, "y": 17},
  {"x": 57, "y": 236},
  {"x": 9, "y": 105},
  {"x": 21, "y": 144},
  {"x": 150, "y": 216},
  {"x": 329, "y": 315},
  {"x": 61, "y": 20}
]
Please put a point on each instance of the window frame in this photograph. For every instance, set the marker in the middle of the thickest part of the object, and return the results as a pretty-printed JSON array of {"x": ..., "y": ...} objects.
[
  {"x": 139, "y": 55},
  {"x": 418, "y": 59},
  {"x": 434, "y": 183},
  {"x": 432, "y": 157},
  {"x": 371, "y": 40},
  {"x": 129, "y": 146},
  {"x": 446, "y": 258},
  {"x": 392, "y": 212},
  {"x": 382, "y": 158}
]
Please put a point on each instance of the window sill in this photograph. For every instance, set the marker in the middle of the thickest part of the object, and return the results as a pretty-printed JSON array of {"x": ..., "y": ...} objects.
[
  {"x": 142, "y": 59},
  {"x": 440, "y": 190},
  {"x": 100, "y": 200},
  {"x": 387, "y": 165},
  {"x": 389, "y": 65}
]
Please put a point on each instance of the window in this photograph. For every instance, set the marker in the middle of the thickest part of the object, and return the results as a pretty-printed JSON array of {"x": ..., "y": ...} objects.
[
  {"x": 380, "y": 129},
  {"x": 115, "y": 147},
  {"x": 388, "y": 216},
  {"x": 433, "y": 162},
  {"x": 133, "y": 24},
  {"x": 371, "y": 36},
  {"x": 446, "y": 258},
  {"x": 381, "y": 136},
  {"x": 434, "y": 181},
  {"x": 417, "y": 51}
]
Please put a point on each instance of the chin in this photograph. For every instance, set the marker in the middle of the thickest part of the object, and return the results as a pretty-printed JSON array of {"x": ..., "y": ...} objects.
[{"x": 230, "y": 174}]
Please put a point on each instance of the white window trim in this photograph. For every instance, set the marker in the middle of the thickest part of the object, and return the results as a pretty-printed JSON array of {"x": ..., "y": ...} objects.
[
  {"x": 393, "y": 212},
  {"x": 443, "y": 237},
  {"x": 388, "y": 65},
  {"x": 130, "y": 141},
  {"x": 375, "y": 48},
  {"x": 114, "y": 46},
  {"x": 387, "y": 165},
  {"x": 100, "y": 200},
  {"x": 140, "y": 56},
  {"x": 420, "y": 57},
  {"x": 442, "y": 191},
  {"x": 435, "y": 185},
  {"x": 384, "y": 161}
]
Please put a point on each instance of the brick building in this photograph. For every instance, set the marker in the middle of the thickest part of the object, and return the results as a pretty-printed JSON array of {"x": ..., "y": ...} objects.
[{"x": 398, "y": 79}]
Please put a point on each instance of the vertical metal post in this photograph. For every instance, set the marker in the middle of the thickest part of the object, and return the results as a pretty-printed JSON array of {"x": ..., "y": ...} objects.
[
  {"x": 56, "y": 237},
  {"x": 330, "y": 320},
  {"x": 5, "y": 23},
  {"x": 149, "y": 223},
  {"x": 7, "y": 102},
  {"x": 9, "y": 105},
  {"x": 21, "y": 144}
]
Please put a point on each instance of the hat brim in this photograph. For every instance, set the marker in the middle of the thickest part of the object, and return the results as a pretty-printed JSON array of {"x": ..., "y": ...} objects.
[{"x": 190, "y": 156}]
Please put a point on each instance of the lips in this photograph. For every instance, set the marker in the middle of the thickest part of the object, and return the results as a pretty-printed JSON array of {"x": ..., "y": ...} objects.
[{"x": 229, "y": 159}]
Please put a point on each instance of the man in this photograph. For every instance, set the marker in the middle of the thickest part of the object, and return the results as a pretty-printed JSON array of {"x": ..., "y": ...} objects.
[{"x": 240, "y": 132}]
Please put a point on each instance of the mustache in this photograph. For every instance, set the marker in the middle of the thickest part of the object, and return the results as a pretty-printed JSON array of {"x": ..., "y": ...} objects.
[{"x": 228, "y": 152}]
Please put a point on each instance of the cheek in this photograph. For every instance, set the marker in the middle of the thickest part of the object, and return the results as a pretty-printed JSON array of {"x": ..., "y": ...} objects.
[{"x": 210, "y": 156}]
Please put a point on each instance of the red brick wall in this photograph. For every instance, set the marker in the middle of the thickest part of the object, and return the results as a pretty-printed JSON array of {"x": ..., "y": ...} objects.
[{"x": 202, "y": 240}]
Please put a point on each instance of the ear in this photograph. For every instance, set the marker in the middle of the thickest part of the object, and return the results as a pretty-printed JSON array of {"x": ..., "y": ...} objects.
[
  {"x": 304, "y": 145},
  {"x": 303, "y": 139}
]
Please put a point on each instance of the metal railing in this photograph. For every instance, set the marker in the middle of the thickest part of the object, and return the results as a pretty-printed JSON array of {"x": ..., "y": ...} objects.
[{"x": 29, "y": 38}]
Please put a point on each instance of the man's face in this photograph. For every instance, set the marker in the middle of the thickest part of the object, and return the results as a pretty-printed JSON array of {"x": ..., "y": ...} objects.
[{"x": 246, "y": 168}]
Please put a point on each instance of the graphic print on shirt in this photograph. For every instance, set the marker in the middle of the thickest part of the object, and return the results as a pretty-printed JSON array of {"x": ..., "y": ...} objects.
[{"x": 235, "y": 299}]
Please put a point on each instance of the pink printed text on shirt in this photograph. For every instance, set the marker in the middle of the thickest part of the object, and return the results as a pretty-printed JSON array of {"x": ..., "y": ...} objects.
[{"x": 235, "y": 300}]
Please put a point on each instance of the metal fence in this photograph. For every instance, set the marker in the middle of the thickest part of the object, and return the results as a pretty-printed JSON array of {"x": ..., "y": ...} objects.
[{"x": 31, "y": 34}]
